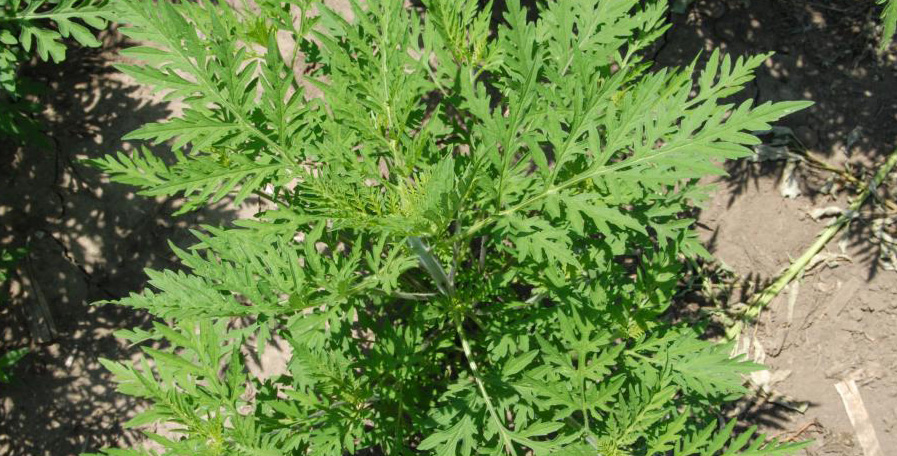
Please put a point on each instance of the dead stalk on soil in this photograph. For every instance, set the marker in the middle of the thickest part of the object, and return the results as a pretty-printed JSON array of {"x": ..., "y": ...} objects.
[{"x": 798, "y": 266}]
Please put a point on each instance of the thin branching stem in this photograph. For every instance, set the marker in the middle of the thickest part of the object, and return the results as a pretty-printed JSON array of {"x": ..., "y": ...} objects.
[
  {"x": 502, "y": 430},
  {"x": 797, "y": 267}
]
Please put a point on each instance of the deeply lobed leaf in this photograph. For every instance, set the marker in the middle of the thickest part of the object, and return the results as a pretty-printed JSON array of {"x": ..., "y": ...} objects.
[{"x": 470, "y": 238}]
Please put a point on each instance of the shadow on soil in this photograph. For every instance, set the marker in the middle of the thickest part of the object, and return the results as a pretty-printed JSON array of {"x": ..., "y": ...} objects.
[
  {"x": 87, "y": 240},
  {"x": 824, "y": 52}
]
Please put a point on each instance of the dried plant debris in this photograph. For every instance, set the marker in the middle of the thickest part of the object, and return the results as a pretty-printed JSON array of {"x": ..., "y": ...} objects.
[
  {"x": 883, "y": 232},
  {"x": 790, "y": 184},
  {"x": 859, "y": 417},
  {"x": 825, "y": 212}
]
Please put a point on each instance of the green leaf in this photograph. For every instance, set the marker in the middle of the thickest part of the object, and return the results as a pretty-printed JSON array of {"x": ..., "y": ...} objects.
[
  {"x": 9, "y": 359},
  {"x": 7, "y": 38},
  {"x": 466, "y": 235},
  {"x": 518, "y": 363},
  {"x": 889, "y": 22},
  {"x": 456, "y": 440}
]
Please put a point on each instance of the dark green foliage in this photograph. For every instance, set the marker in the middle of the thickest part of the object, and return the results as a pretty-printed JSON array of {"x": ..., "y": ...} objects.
[
  {"x": 889, "y": 21},
  {"x": 38, "y": 27},
  {"x": 8, "y": 260},
  {"x": 7, "y": 360},
  {"x": 472, "y": 236}
]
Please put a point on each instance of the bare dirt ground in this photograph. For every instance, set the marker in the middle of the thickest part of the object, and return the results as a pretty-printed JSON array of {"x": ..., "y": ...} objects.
[
  {"x": 89, "y": 240},
  {"x": 842, "y": 324}
]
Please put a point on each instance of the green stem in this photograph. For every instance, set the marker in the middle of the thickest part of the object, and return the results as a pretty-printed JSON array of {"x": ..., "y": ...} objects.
[
  {"x": 81, "y": 12},
  {"x": 426, "y": 64},
  {"x": 582, "y": 390},
  {"x": 270, "y": 198},
  {"x": 411, "y": 296},
  {"x": 502, "y": 430},
  {"x": 797, "y": 267},
  {"x": 432, "y": 265}
]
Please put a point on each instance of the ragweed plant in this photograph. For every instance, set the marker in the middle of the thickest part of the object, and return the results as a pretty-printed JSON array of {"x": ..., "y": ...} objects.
[
  {"x": 8, "y": 358},
  {"x": 471, "y": 236},
  {"x": 889, "y": 21},
  {"x": 39, "y": 27}
]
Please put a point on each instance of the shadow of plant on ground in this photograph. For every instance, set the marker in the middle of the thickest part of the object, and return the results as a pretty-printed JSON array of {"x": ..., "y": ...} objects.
[{"x": 87, "y": 240}]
